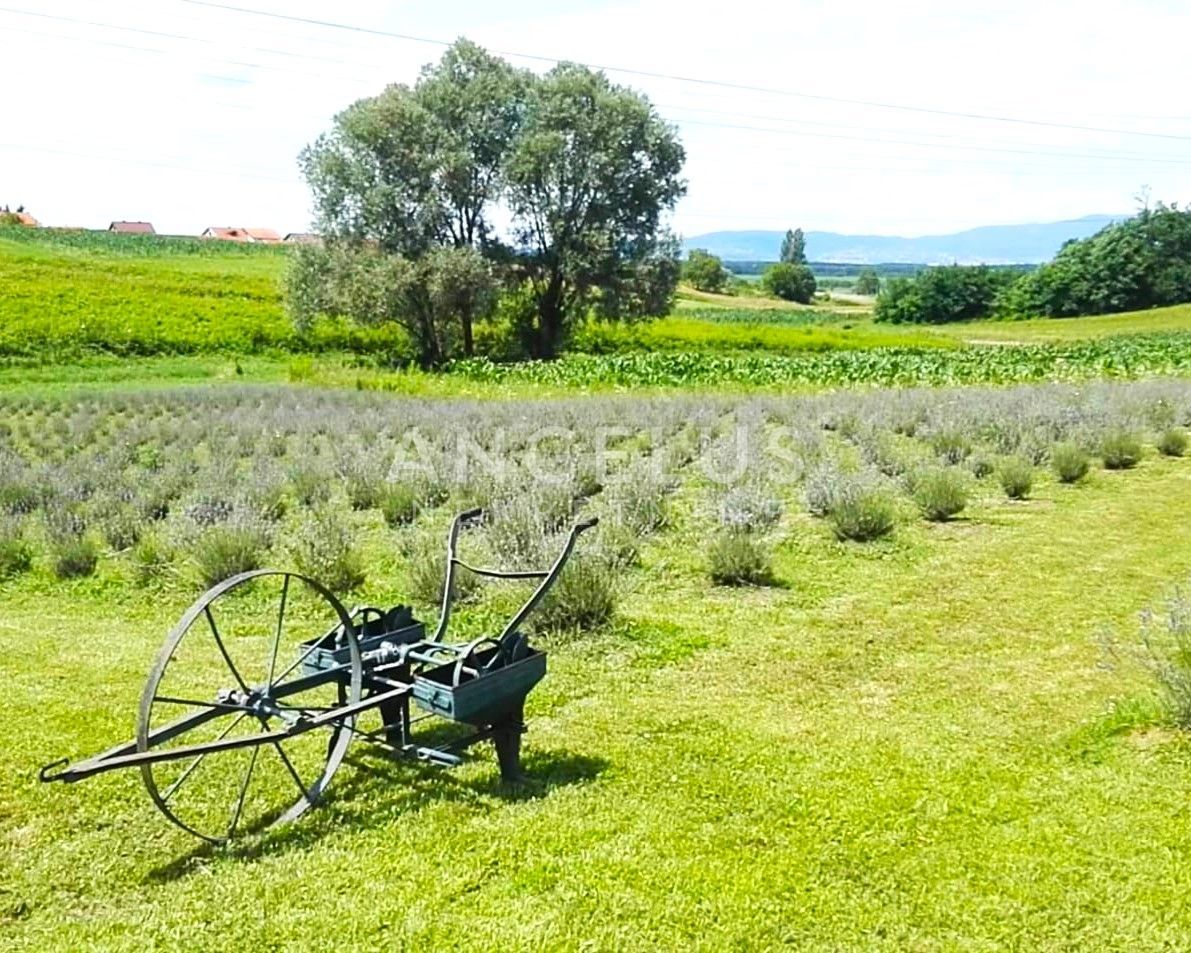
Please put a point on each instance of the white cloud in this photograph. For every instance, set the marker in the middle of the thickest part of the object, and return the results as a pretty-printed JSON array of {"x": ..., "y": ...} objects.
[{"x": 102, "y": 123}]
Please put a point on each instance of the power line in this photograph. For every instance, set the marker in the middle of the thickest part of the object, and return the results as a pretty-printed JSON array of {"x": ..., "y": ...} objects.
[
  {"x": 954, "y": 114},
  {"x": 738, "y": 126}
]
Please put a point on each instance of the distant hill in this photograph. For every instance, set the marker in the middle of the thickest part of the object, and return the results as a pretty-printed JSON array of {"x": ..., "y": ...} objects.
[{"x": 990, "y": 244}]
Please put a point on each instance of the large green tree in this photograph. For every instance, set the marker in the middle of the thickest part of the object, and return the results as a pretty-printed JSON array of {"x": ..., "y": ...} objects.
[
  {"x": 591, "y": 176},
  {"x": 414, "y": 173}
]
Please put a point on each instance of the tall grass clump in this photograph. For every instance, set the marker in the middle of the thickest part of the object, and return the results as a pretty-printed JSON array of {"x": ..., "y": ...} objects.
[
  {"x": 72, "y": 553},
  {"x": 324, "y": 548},
  {"x": 863, "y": 512},
  {"x": 226, "y": 549},
  {"x": 739, "y": 558},
  {"x": 1016, "y": 475},
  {"x": 940, "y": 492},
  {"x": 427, "y": 572},
  {"x": 1069, "y": 462},
  {"x": 16, "y": 555},
  {"x": 583, "y": 598},
  {"x": 1121, "y": 449},
  {"x": 1164, "y": 651},
  {"x": 1173, "y": 442}
]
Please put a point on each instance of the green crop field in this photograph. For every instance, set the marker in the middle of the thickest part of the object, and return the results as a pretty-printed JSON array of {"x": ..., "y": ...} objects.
[{"x": 853, "y": 660}]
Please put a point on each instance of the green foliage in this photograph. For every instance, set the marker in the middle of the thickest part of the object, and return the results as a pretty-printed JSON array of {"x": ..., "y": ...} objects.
[
  {"x": 74, "y": 557},
  {"x": 865, "y": 513},
  {"x": 16, "y": 554},
  {"x": 1173, "y": 442},
  {"x": 1143, "y": 262},
  {"x": 941, "y": 295},
  {"x": 227, "y": 549},
  {"x": 590, "y": 177},
  {"x": 739, "y": 558},
  {"x": 793, "y": 250},
  {"x": 324, "y": 548},
  {"x": 790, "y": 282},
  {"x": 1141, "y": 355},
  {"x": 582, "y": 599},
  {"x": 940, "y": 492},
  {"x": 868, "y": 282},
  {"x": 1069, "y": 462},
  {"x": 150, "y": 559},
  {"x": 705, "y": 271},
  {"x": 434, "y": 299},
  {"x": 1016, "y": 475},
  {"x": 1121, "y": 449},
  {"x": 66, "y": 299}
]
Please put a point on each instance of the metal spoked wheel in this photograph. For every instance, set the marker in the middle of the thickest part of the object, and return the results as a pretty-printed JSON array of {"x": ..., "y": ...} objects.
[{"x": 234, "y": 668}]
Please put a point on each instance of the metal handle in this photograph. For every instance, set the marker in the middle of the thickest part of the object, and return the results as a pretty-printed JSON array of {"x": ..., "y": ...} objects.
[
  {"x": 587, "y": 524},
  {"x": 44, "y": 774}
]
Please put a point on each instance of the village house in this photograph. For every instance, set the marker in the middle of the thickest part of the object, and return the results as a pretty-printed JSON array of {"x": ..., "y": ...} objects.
[{"x": 132, "y": 228}]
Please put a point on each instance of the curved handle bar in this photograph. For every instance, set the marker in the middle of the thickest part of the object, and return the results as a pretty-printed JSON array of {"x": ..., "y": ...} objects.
[{"x": 547, "y": 576}]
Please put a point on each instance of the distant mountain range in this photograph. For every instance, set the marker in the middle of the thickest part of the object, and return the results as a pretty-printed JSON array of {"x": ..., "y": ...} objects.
[{"x": 991, "y": 244}]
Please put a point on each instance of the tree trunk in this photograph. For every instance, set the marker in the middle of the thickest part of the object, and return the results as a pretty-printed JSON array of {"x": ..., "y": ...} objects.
[
  {"x": 468, "y": 342},
  {"x": 550, "y": 317}
]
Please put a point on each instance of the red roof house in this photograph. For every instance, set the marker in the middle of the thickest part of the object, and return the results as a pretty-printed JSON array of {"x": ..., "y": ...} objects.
[{"x": 132, "y": 228}]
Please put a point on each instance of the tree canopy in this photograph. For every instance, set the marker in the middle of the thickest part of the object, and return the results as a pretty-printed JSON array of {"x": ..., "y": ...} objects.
[
  {"x": 704, "y": 271},
  {"x": 793, "y": 248},
  {"x": 582, "y": 171},
  {"x": 790, "y": 281}
]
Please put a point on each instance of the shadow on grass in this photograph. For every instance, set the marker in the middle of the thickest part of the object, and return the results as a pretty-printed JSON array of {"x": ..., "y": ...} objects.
[{"x": 381, "y": 788}]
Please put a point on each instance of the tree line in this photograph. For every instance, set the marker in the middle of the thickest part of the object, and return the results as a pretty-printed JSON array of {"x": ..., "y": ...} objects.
[
  {"x": 1142, "y": 262},
  {"x": 411, "y": 189}
]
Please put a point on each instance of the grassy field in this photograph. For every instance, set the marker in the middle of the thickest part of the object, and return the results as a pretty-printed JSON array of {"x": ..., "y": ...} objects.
[
  {"x": 906, "y": 744},
  {"x": 911, "y": 742}
]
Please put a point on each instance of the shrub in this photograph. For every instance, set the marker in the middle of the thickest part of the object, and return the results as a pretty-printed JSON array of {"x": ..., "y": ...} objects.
[
  {"x": 310, "y": 485},
  {"x": 228, "y": 549},
  {"x": 75, "y": 557},
  {"x": 583, "y": 598},
  {"x": 16, "y": 555},
  {"x": 121, "y": 528},
  {"x": 940, "y": 492},
  {"x": 1173, "y": 442},
  {"x": 981, "y": 465},
  {"x": 428, "y": 572},
  {"x": 1164, "y": 650},
  {"x": 790, "y": 281},
  {"x": 704, "y": 271},
  {"x": 1017, "y": 477},
  {"x": 150, "y": 559},
  {"x": 1121, "y": 449},
  {"x": 939, "y": 295},
  {"x": 1069, "y": 462},
  {"x": 863, "y": 513},
  {"x": 749, "y": 506},
  {"x": 324, "y": 549},
  {"x": 400, "y": 503},
  {"x": 640, "y": 498},
  {"x": 619, "y": 546},
  {"x": 739, "y": 558}
]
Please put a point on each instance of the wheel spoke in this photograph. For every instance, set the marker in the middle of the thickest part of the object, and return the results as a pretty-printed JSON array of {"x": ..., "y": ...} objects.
[
  {"x": 223, "y": 649},
  {"x": 277, "y": 636},
  {"x": 301, "y": 658},
  {"x": 198, "y": 759},
  {"x": 243, "y": 791},
  {"x": 293, "y": 771},
  {"x": 223, "y": 706}
]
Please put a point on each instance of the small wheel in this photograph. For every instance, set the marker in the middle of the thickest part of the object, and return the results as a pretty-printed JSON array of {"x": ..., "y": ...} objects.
[{"x": 234, "y": 667}]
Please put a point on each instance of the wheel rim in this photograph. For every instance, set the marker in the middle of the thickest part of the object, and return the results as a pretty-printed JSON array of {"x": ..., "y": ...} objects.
[{"x": 234, "y": 658}]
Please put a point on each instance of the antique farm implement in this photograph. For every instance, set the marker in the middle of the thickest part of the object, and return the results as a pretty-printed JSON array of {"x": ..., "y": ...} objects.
[{"x": 245, "y": 719}]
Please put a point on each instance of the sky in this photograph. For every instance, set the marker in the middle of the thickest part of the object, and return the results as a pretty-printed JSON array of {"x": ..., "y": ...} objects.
[{"x": 820, "y": 115}]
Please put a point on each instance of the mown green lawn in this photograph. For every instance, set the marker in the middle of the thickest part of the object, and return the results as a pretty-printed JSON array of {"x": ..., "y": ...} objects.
[{"x": 911, "y": 745}]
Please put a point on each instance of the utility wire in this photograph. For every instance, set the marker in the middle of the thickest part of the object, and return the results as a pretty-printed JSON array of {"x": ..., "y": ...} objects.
[{"x": 877, "y": 104}]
